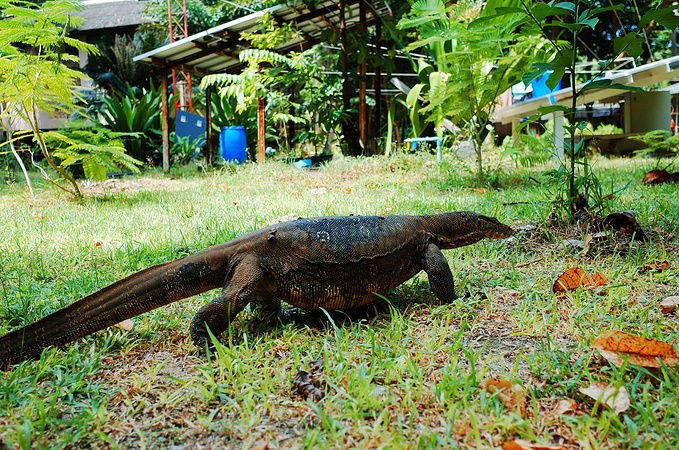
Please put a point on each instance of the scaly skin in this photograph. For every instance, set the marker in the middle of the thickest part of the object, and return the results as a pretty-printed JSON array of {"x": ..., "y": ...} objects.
[{"x": 335, "y": 263}]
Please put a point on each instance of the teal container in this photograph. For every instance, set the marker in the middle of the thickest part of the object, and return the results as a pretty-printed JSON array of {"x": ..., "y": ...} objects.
[{"x": 232, "y": 145}]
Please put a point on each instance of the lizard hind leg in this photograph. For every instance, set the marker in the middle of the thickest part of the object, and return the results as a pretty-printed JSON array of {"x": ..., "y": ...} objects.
[{"x": 217, "y": 315}]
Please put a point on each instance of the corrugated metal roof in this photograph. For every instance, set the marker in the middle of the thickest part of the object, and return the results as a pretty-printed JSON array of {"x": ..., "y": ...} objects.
[
  {"x": 216, "y": 50},
  {"x": 112, "y": 14}
]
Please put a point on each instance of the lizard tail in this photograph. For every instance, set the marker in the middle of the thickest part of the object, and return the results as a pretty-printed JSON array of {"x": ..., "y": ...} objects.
[{"x": 138, "y": 293}]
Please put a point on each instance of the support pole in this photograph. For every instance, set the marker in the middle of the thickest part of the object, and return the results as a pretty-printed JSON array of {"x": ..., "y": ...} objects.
[
  {"x": 261, "y": 131},
  {"x": 208, "y": 123},
  {"x": 377, "y": 81},
  {"x": 558, "y": 134},
  {"x": 164, "y": 121},
  {"x": 362, "y": 117}
]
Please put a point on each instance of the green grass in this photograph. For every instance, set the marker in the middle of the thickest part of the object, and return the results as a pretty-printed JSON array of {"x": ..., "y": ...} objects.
[{"x": 400, "y": 374}]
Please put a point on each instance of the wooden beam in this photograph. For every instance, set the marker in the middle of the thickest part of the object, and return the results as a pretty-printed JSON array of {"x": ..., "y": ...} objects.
[
  {"x": 377, "y": 79},
  {"x": 208, "y": 123},
  {"x": 261, "y": 131},
  {"x": 165, "y": 123},
  {"x": 362, "y": 116}
]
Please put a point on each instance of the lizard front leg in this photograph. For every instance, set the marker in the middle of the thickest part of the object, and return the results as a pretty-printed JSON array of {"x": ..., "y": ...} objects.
[
  {"x": 240, "y": 288},
  {"x": 440, "y": 276}
]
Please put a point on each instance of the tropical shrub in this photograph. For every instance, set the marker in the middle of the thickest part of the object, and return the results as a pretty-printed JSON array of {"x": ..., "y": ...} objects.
[
  {"x": 92, "y": 148},
  {"x": 137, "y": 117}
]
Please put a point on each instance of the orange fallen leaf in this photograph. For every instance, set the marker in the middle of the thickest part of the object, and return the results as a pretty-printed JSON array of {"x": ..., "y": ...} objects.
[
  {"x": 127, "y": 325},
  {"x": 576, "y": 277},
  {"x": 569, "y": 280},
  {"x": 520, "y": 444},
  {"x": 616, "y": 345},
  {"x": 511, "y": 394},
  {"x": 347, "y": 191},
  {"x": 598, "y": 279},
  {"x": 616, "y": 398},
  {"x": 660, "y": 266},
  {"x": 669, "y": 304}
]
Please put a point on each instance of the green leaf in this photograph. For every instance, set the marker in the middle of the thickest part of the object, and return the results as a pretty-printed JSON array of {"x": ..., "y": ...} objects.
[
  {"x": 665, "y": 17},
  {"x": 568, "y": 6},
  {"x": 539, "y": 70},
  {"x": 590, "y": 22},
  {"x": 604, "y": 83},
  {"x": 543, "y": 110},
  {"x": 555, "y": 77},
  {"x": 631, "y": 43}
]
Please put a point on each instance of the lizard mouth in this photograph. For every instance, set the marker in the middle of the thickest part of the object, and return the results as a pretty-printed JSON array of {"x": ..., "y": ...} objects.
[{"x": 493, "y": 228}]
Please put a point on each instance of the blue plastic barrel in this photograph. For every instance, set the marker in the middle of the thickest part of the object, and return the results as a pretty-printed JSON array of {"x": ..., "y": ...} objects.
[{"x": 232, "y": 144}]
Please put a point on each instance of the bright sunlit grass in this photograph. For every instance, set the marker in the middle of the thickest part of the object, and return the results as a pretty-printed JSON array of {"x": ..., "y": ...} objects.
[{"x": 401, "y": 374}]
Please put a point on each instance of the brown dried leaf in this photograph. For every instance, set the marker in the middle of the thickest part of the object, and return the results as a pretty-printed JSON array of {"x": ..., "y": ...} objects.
[
  {"x": 626, "y": 223},
  {"x": 616, "y": 398},
  {"x": 304, "y": 381},
  {"x": 615, "y": 345},
  {"x": 127, "y": 325},
  {"x": 261, "y": 445},
  {"x": 520, "y": 444},
  {"x": 669, "y": 304},
  {"x": 659, "y": 177},
  {"x": 659, "y": 266},
  {"x": 511, "y": 394},
  {"x": 588, "y": 242},
  {"x": 564, "y": 406}
]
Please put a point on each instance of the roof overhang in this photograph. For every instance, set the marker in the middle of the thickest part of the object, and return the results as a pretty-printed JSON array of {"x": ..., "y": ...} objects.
[
  {"x": 216, "y": 50},
  {"x": 641, "y": 76}
]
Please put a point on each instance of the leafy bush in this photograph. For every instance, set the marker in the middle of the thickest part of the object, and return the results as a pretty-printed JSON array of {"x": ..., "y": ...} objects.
[
  {"x": 659, "y": 143},
  {"x": 141, "y": 116},
  {"x": 93, "y": 148}
]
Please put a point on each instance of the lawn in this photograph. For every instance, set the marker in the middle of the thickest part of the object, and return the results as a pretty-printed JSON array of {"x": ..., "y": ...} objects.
[{"x": 402, "y": 373}]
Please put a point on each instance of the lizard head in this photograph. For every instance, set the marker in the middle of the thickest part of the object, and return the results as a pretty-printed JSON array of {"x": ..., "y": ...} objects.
[
  {"x": 493, "y": 228},
  {"x": 467, "y": 227}
]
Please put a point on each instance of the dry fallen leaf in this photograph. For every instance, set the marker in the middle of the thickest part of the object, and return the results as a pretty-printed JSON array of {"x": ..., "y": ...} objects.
[
  {"x": 564, "y": 406},
  {"x": 511, "y": 394},
  {"x": 520, "y": 444},
  {"x": 261, "y": 445},
  {"x": 616, "y": 398},
  {"x": 660, "y": 176},
  {"x": 669, "y": 304},
  {"x": 660, "y": 266},
  {"x": 626, "y": 223},
  {"x": 127, "y": 325},
  {"x": 576, "y": 277},
  {"x": 615, "y": 345}
]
